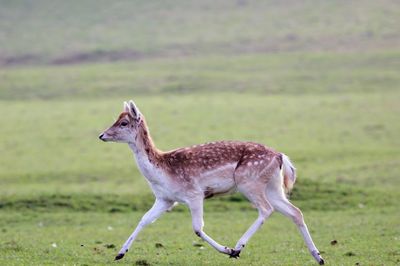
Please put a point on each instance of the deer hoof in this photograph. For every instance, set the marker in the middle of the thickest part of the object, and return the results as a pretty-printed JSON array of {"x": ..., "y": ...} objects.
[
  {"x": 317, "y": 257},
  {"x": 119, "y": 256},
  {"x": 235, "y": 253}
]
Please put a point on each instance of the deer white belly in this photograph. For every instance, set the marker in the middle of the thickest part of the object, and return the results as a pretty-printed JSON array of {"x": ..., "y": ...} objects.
[{"x": 218, "y": 181}]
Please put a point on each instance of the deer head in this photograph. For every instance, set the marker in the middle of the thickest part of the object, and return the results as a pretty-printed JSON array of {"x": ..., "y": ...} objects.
[{"x": 126, "y": 126}]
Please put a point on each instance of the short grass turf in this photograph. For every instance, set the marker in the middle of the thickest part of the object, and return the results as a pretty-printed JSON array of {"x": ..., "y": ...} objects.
[
  {"x": 361, "y": 236},
  {"x": 60, "y": 184},
  {"x": 71, "y": 32}
]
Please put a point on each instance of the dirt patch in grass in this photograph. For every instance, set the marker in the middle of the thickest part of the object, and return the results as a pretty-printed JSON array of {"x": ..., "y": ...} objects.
[
  {"x": 24, "y": 59},
  {"x": 288, "y": 43},
  {"x": 98, "y": 56}
]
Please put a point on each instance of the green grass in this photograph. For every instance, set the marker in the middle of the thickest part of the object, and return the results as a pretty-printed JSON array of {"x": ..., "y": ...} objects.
[
  {"x": 56, "y": 168},
  {"x": 54, "y": 30},
  {"x": 316, "y": 80},
  {"x": 284, "y": 73},
  {"x": 322, "y": 133},
  {"x": 94, "y": 238}
]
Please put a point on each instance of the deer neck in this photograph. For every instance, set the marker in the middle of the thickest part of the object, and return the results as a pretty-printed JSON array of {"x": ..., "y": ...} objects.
[{"x": 146, "y": 154}]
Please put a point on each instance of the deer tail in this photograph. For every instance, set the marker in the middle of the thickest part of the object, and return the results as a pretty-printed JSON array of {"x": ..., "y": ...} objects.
[{"x": 289, "y": 173}]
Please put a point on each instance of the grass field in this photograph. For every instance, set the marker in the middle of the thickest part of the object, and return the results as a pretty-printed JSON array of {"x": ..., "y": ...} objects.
[{"x": 322, "y": 86}]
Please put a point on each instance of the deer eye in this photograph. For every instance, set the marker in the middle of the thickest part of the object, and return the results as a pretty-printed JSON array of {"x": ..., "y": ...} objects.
[{"x": 124, "y": 124}]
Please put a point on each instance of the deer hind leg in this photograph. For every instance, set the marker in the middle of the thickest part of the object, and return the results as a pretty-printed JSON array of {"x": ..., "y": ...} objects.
[
  {"x": 255, "y": 192},
  {"x": 279, "y": 202},
  {"x": 196, "y": 209}
]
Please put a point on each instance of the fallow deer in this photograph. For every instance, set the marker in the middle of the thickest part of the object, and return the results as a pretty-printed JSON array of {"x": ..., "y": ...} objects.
[{"x": 190, "y": 175}]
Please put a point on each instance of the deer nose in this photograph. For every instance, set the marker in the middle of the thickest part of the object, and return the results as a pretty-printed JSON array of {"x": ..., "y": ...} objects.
[{"x": 101, "y": 136}]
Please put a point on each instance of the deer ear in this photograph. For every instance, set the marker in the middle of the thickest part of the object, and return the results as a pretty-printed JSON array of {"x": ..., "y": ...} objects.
[
  {"x": 134, "y": 111},
  {"x": 126, "y": 107}
]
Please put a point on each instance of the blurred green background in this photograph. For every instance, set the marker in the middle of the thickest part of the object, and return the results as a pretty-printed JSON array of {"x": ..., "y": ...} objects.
[{"x": 317, "y": 80}]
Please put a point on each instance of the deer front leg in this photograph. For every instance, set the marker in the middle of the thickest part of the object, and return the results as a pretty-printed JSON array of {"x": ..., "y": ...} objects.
[
  {"x": 159, "y": 207},
  {"x": 196, "y": 209}
]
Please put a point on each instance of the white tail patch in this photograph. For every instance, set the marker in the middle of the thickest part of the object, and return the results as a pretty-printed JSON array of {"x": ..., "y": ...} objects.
[{"x": 289, "y": 173}]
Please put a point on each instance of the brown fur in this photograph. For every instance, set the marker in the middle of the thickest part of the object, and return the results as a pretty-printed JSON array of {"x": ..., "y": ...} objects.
[{"x": 195, "y": 159}]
